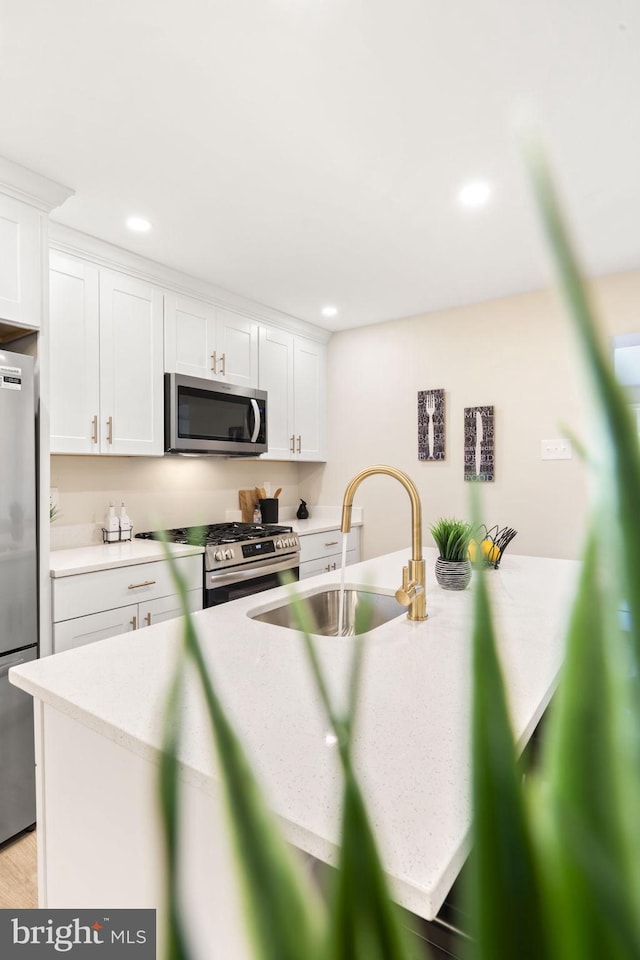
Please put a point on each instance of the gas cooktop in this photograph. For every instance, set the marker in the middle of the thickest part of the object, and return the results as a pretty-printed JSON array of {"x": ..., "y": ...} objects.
[{"x": 212, "y": 534}]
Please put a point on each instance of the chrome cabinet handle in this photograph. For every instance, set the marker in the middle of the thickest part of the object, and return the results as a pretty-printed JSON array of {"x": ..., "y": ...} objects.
[
  {"x": 94, "y": 429},
  {"x": 147, "y": 619},
  {"x": 133, "y": 623},
  {"x": 223, "y": 365},
  {"x": 299, "y": 444},
  {"x": 146, "y": 583},
  {"x": 110, "y": 430},
  {"x": 214, "y": 360},
  {"x": 292, "y": 446}
]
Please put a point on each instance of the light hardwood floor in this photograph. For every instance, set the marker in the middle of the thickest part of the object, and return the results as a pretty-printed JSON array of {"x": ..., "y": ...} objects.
[{"x": 18, "y": 873}]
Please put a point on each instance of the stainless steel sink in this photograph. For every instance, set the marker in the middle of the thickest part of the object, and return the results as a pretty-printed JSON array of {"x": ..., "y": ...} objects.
[{"x": 364, "y": 610}]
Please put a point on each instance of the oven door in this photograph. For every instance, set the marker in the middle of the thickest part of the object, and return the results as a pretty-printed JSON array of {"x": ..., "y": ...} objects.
[{"x": 225, "y": 585}]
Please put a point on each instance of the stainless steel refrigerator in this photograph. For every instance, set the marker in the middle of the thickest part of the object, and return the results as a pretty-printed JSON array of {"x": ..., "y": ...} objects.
[{"x": 18, "y": 589}]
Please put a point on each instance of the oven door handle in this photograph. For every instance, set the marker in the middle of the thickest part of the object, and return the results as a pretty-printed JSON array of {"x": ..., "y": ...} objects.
[
  {"x": 215, "y": 578},
  {"x": 257, "y": 421}
]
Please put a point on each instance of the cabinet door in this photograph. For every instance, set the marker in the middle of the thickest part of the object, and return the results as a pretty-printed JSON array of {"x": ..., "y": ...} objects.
[
  {"x": 131, "y": 366},
  {"x": 154, "y": 611},
  {"x": 95, "y": 626},
  {"x": 310, "y": 399},
  {"x": 276, "y": 377},
  {"x": 236, "y": 348},
  {"x": 20, "y": 266},
  {"x": 74, "y": 355},
  {"x": 189, "y": 337}
]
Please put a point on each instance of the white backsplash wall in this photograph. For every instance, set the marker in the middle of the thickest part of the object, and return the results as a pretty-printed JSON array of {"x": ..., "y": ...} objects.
[
  {"x": 517, "y": 353},
  {"x": 158, "y": 492}
]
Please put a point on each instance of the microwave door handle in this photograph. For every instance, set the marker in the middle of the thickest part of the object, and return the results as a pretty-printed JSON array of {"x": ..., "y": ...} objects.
[{"x": 256, "y": 420}]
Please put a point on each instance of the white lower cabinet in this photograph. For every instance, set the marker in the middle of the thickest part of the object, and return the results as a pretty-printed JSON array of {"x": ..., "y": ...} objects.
[
  {"x": 322, "y": 552},
  {"x": 91, "y": 606}
]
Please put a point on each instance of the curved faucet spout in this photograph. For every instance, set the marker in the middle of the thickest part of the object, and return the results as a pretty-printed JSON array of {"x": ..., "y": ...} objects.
[{"x": 412, "y": 592}]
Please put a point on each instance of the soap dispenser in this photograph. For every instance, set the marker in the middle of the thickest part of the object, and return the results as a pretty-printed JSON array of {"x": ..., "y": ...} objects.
[
  {"x": 302, "y": 513},
  {"x": 111, "y": 530},
  {"x": 125, "y": 524}
]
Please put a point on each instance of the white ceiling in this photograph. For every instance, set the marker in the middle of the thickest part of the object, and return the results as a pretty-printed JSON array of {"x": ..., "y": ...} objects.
[{"x": 307, "y": 152}]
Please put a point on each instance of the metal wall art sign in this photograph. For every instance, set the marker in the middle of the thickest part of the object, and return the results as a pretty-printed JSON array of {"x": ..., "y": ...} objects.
[
  {"x": 79, "y": 934},
  {"x": 479, "y": 440},
  {"x": 431, "y": 425}
]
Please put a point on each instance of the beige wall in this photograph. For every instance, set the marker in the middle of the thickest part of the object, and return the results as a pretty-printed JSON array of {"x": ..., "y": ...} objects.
[
  {"x": 159, "y": 493},
  {"x": 516, "y": 353}
]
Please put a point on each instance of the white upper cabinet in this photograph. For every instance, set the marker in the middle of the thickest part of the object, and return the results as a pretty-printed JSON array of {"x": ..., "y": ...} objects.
[
  {"x": 293, "y": 372},
  {"x": 131, "y": 365},
  {"x": 106, "y": 361},
  {"x": 309, "y": 390},
  {"x": 20, "y": 263},
  {"x": 206, "y": 341},
  {"x": 74, "y": 350}
]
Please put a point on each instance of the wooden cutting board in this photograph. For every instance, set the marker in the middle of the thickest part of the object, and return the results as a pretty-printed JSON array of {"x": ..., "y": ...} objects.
[{"x": 247, "y": 500}]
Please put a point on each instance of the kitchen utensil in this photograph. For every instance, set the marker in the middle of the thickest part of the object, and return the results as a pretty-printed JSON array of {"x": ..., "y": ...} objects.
[
  {"x": 278, "y": 492},
  {"x": 479, "y": 439},
  {"x": 248, "y": 500},
  {"x": 430, "y": 408}
]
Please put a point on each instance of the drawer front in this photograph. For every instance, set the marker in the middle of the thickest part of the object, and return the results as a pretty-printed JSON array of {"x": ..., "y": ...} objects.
[
  {"x": 90, "y": 593},
  {"x": 311, "y": 568},
  {"x": 316, "y": 545}
]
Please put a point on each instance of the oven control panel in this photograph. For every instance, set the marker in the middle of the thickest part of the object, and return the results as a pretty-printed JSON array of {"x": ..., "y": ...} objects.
[{"x": 250, "y": 551}]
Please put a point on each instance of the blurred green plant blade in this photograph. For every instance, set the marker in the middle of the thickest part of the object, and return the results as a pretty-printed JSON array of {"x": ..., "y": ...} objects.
[
  {"x": 176, "y": 942},
  {"x": 364, "y": 920},
  {"x": 618, "y": 486},
  {"x": 284, "y": 914},
  {"x": 622, "y": 473},
  {"x": 583, "y": 846},
  {"x": 504, "y": 885},
  {"x": 365, "y": 923}
]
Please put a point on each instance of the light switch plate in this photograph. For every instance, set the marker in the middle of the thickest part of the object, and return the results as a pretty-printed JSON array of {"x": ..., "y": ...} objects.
[{"x": 556, "y": 450}]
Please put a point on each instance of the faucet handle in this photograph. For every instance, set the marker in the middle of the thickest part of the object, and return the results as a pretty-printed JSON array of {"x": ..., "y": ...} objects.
[{"x": 407, "y": 593}]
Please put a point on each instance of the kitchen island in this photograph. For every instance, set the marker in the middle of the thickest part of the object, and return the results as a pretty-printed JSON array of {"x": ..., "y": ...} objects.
[{"x": 99, "y": 716}]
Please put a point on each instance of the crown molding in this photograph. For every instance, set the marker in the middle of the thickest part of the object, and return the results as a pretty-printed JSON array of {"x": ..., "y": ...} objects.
[
  {"x": 32, "y": 188},
  {"x": 75, "y": 243}
]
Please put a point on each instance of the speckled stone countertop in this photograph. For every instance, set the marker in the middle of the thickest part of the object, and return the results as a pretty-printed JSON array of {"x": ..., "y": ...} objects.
[
  {"x": 413, "y": 724},
  {"x": 105, "y": 556}
]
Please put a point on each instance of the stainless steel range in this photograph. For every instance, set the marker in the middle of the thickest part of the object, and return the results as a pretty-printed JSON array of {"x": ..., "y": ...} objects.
[{"x": 239, "y": 558}]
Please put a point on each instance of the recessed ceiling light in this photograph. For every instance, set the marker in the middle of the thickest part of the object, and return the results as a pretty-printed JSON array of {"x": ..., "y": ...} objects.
[
  {"x": 139, "y": 224},
  {"x": 474, "y": 194},
  {"x": 329, "y": 311}
]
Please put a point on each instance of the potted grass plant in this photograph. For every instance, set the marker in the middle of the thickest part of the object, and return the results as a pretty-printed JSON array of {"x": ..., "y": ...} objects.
[{"x": 453, "y": 567}]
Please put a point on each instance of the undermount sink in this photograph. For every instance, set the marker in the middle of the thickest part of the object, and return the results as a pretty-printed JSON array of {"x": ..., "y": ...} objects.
[{"x": 364, "y": 610}]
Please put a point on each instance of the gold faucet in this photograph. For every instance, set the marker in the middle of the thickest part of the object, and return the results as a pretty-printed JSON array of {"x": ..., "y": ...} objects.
[{"x": 412, "y": 592}]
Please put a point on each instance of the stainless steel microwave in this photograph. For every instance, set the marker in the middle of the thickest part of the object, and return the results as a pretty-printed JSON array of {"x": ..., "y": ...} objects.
[{"x": 213, "y": 417}]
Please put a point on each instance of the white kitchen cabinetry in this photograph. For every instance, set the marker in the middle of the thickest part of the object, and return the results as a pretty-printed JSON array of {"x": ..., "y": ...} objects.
[
  {"x": 106, "y": 361},
  {"x": 293, "y": 372},
  {"x": 20, "y": 263},
  {"x": 206, "y": 341},
  {"x": 105, "y": 603},
  {"x": 322, "y": 552}
]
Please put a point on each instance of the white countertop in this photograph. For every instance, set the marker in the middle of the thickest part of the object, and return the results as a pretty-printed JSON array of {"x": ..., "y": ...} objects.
[
  {"x": 412, "y": 736},
  {"x": 104, "y": 556}
]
